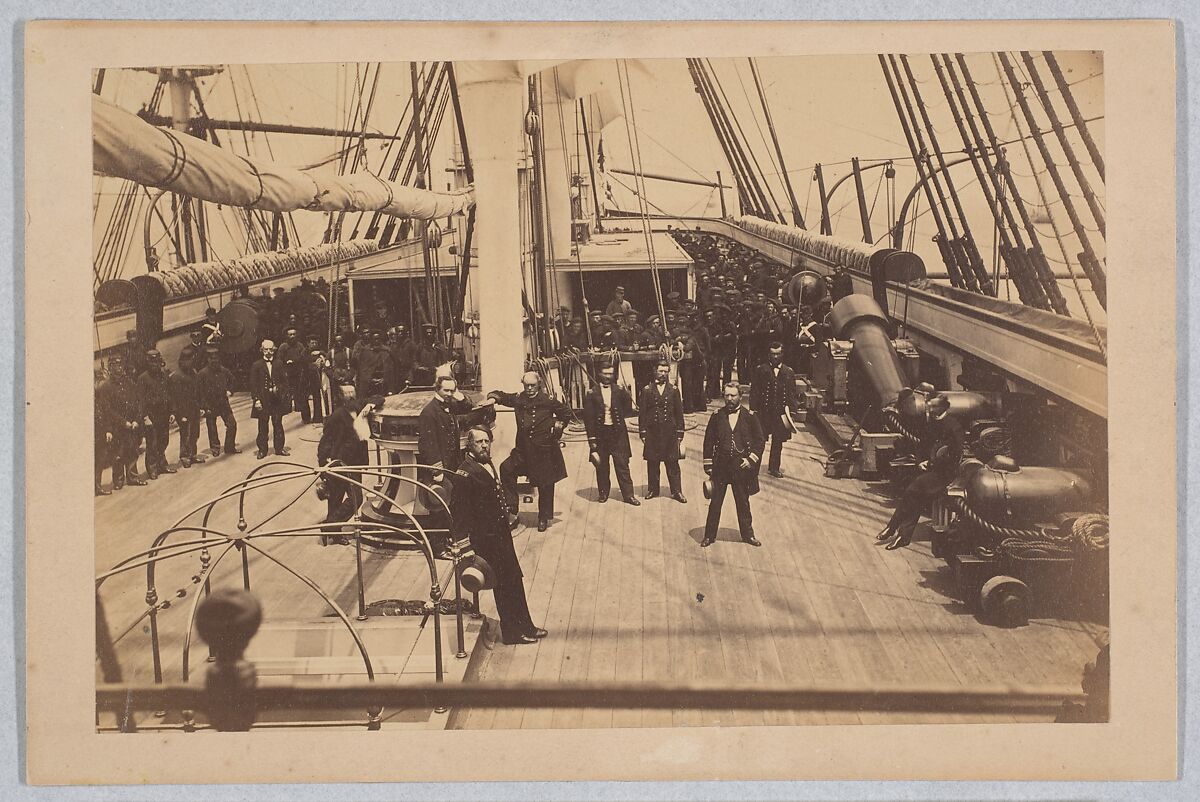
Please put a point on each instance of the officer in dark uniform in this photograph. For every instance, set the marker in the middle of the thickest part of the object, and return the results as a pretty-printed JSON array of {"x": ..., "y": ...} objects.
[
  {"x": 187, "y": 404},
  {"x": 216, "y": 385},
  {"x": 438, "y": 437},
  {"x": 270, "y": 399},
  {"x": 154, "y": 390},
  {"x": 733, "y": 446},
  {"x": 538, "y": 456},
  {"x": 482, "y": 514},
  {"x": 123, "y": 414},
  {"x": 292, "y": 356},
  {"x": 605, "y": 408},
  {"x": 772, "y": 396},
  {"x": 660, "y": 425}
]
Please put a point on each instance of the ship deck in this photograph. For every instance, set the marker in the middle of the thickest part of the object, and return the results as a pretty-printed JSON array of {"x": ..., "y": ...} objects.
[{"x": 627, "y": 593}]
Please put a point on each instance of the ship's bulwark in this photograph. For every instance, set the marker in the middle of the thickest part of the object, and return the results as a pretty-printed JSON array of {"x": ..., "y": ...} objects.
[{"x": 628, "y": 595}]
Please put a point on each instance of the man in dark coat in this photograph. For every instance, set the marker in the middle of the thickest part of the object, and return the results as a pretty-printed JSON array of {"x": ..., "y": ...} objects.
[
  {"x": 481, "y": 514},
  {"x": 187, "y": 404},
  {"x": 605, "y": 408},
  {"x": 270, "y": 394},
  {"x": 309, "y": 398},
  {"x": 438, "y": 438},
  {"x": 538, "y": 455},
  {"x": 291, "y": 356},
  {"x": 216, "y": 385},
  {"x": 373, "y": 373},
  {"x": 404, "y": 356},
  {"x": 733, "y": 446},
  {"x": 773, "y": 395},
  {"x": 121, "y": 410},
  {"x": 660, "y": 424},
  {"x": 344, "y": 439},
  {"x": 154, "y": 390}
]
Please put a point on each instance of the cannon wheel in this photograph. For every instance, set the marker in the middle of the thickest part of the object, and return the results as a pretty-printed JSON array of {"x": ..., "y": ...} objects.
[{"x": 1004, "y": 601}]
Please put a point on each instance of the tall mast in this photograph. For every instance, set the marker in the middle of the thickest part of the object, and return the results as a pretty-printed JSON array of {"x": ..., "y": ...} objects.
[{"x": 797, "y": 219}]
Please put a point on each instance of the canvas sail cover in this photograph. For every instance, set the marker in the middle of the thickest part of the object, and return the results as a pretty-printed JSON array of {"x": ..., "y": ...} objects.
[{"x": 126, "y": 146}]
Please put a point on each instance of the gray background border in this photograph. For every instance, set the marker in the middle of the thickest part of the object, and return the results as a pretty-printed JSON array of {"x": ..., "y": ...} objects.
[{"x": 12, "y": 393}]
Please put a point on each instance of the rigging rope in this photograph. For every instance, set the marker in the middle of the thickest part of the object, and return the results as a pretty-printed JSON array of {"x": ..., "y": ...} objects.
[
  {"x": 635, "y": 155},
  {"x": 1087, "y": 312}
]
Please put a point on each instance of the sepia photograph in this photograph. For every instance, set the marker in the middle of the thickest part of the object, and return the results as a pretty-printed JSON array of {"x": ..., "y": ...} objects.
[{"x": 390, "y": 358}]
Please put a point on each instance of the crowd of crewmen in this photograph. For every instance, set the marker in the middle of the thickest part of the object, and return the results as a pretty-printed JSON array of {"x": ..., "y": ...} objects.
[
  {"x": 139, "y": 399},
  {"x": 739, "y": 308}
]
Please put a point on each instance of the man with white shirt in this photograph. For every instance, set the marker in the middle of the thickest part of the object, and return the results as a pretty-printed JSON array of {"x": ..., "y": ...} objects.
[
  {"x": 271, "y": 394},
  {"x": 772, "y": 396},
  {"x": 733, "y": 446},
  {"x": 660, "y": 425},
  {"x": 605, "y": 408}
]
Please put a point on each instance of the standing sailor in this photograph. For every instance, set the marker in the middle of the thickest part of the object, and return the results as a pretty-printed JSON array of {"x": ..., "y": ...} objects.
[
  {"x": 538, "y": 456},
  {"x": 154, "y": 390},
  {"x": 733, "y": 446},
  {"x": 188, "y": 407},
  {"x": 605, "y": 408},
  {"x": 773, "y": 396},
  {"x": 216, "y": 385},
  {"x": 660, "y": 424}
]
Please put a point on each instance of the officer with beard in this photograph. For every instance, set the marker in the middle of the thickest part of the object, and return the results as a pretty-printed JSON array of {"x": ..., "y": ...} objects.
[
  {"x": 538, "y": 455},
  {"x": 605, "y": 408},
  {"x": 733, "y": 446},
  {"x": 660, "y": 425},
  {"x": 773, "y": 396},
  {"x": 481, "y": 514},
  {"x": 270, "y": 394}
]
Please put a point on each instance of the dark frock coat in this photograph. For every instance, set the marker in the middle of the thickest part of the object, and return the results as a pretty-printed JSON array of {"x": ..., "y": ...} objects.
[
  {"x": 537, "y": 446},
  {"x": 660, "y": 422},
  {"x": 725, "y": 448},
  {"x": 593, "y": 419},
  {"x": 771, "y": 396},
  {"x": 480, "y": 514}
]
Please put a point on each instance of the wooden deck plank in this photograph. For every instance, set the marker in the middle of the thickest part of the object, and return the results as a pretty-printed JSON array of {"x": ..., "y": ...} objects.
[{"x": 619, "y": 589}]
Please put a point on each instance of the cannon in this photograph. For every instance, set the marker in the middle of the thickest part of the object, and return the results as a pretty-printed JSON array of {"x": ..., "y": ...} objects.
[{"x": 1019, "y": 538}]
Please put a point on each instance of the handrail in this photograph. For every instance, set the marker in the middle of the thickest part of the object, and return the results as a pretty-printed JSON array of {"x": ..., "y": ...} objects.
[{"x": 993, "y": 699}]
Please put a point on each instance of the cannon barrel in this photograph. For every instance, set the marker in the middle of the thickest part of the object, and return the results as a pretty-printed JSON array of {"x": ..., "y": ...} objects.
[
  {"x": 965, "y": 406},
  {"x": 858, "y": 318},
  {"x": 1006, "y": 494}
]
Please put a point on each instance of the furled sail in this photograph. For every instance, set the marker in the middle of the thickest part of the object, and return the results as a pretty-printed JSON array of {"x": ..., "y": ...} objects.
[{"x": 125, "y": 146}]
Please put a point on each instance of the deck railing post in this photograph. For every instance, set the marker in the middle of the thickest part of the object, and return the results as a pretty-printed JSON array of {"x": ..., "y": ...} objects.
[{"x": 455, "y": 556}]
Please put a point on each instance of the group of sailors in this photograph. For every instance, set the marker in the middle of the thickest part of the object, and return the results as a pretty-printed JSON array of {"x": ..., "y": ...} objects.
[
  {"x": 139, "y": 399},
  {"x": 740, "y": 307}
]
